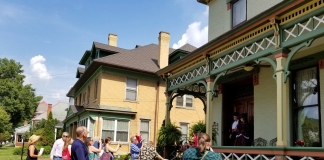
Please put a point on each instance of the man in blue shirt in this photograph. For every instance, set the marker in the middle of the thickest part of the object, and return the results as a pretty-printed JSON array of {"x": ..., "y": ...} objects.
[
  {"x": 134, "y": 149},
  {"x": 79, "y": 151}
]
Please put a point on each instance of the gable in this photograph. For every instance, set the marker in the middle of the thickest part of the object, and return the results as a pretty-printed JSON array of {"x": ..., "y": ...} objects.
[{"x": 69, "y": 113}]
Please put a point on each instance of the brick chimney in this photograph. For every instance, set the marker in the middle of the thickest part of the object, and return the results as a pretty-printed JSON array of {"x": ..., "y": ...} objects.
[
  {"x": 112, "y": 40},
  {"x": 49, "y": 109},
  {"x": 164, "y": 43}
]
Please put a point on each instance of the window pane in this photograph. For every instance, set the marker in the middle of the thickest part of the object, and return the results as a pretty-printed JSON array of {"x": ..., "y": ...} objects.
[
  {"x": 239, "y": 12},
  {"x": 131, "y": 83},
  {"x": 122, "y": 136},
  {"x": 184, "y": 130},
  {"x": 106, "y": 133},
  {"x": 145, "y": 136},
  {"x": 308, "y": 126},
  {"x": 91, "y": 127},
  {"x": 130, "y": 95},
  {"x": 189, "y": 101},
  {"x": 108, "y": 124},
  {"x": 122, "y": 125},
  {"x": 306, "y": 87},
  {"x": 179, "y": 101},
  {"x": 144, "y": 126}
]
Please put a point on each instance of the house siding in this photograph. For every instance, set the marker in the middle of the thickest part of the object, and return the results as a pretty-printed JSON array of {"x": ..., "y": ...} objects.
[{"x": 218, "y": 116}]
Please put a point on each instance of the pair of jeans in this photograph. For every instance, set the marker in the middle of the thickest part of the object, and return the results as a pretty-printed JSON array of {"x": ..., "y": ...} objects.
[{"x": 57, "y": 158}]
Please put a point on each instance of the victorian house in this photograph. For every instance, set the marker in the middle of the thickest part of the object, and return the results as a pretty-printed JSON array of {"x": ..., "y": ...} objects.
[{"x": 264, "y": 59}]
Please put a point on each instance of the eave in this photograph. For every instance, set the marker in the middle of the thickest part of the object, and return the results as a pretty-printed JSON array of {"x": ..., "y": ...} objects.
[
  {"x": 256, "y": 21},
  {"x": 85, "y": 57}
]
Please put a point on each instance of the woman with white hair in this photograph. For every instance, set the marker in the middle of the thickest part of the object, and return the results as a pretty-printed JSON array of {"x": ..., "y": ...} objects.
[{"x": 33, "y": 153}]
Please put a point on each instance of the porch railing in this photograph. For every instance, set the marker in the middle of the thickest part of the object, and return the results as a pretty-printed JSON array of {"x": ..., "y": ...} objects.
[{"x": 270, "y": 153}]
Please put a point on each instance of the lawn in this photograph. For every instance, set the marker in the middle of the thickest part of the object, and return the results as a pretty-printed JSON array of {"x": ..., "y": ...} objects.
[{"x": 6, "y": 154}]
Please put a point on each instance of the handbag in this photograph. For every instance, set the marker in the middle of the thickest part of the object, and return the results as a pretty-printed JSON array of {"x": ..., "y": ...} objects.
[{"x": 105, "y": 156}]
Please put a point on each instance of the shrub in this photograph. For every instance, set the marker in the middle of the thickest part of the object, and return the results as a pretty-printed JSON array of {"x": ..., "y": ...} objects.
[
  {"x": 17, "y": 151},
  {"x": 169, "y": 135},
  {"x": 47, "y": 150}
]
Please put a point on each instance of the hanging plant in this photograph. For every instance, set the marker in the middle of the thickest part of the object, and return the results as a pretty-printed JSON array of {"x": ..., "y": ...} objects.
[{"x": 169, "y": 135}]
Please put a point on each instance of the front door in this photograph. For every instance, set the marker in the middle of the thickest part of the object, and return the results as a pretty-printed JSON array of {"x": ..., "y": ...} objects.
[{"x": 244, "y": 105}]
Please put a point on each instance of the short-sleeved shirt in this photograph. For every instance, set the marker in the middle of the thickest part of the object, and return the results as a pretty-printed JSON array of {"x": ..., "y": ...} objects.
[
  {"x": 193, "y": 154},
  {"x": 148, "y": 152}
]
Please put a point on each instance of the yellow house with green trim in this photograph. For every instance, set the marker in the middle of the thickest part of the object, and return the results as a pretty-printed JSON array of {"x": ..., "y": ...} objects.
[{"x": 119, "y": 95}]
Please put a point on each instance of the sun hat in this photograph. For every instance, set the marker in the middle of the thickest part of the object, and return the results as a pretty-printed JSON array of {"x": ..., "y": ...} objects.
[{"x": 33, "y": 139}]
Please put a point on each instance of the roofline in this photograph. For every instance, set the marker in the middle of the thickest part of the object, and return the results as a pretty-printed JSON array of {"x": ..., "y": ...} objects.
[
  {"x": 84, "y": 56},
  {"x": 227, "y": 36}
]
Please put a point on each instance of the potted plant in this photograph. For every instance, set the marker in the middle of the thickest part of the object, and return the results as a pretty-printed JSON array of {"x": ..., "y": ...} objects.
[{"x": 168, "y": 136}]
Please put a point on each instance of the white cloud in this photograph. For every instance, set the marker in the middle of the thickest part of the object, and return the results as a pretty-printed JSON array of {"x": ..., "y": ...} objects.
[
  {"x": 38, "y": 67},
  {"x": 195, "y": 35}
]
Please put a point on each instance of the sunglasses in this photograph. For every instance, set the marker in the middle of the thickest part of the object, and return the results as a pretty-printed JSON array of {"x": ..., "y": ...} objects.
[{"x": 65, "y": 136}]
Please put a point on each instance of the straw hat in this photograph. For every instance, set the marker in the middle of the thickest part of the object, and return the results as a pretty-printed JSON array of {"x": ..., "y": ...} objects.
[{"x": 33, "y": 139}]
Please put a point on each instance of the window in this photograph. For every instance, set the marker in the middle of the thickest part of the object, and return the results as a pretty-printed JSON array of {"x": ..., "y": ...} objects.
[
  {"x": 80, "y": 99},
  {"x": 96, "y": 89},
  {"x": 131, "y": 89},
  {"x": 184, "y": 101},
  {"x": 306, "y": 107},
  {"x": 91, "y": 127},
  {"x": 88, "y": 97},
  {"x": 116, "y": 129},
  {"x": 145, "y": 130},
  {"x": 83, "y": 97},
  {"x": 83, "y": 122},
  {"x": 184, "y": 130},
  {"x": 238, "y": 12}
]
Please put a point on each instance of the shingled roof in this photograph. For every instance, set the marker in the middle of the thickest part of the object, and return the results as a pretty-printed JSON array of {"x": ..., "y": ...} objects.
[
  {"x": 188, "y": 47},
  {"x": 144, "y": 58}
]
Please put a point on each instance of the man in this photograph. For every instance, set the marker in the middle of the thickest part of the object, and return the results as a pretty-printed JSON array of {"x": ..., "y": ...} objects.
[
  {"x": 233, "y": 130},
  {"x": 149, "y": 152},
  {"x": 134, "y": 149},
  {"x": 79, "y": 151},
  {"x": 56, "y": 152}
]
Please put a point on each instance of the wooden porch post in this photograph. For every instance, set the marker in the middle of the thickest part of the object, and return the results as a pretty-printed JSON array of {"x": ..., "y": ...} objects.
[
  {"x": 282, "y": 108},
  {"x": 209, "y": 107},
  {"x": 167, "y": 108}
]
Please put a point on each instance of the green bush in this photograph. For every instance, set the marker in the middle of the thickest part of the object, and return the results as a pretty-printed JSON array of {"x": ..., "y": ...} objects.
[
  {"x": 122, "y": 157},
  {"x": 17, "y": 151},
  {"x": 47, "y": 150}
]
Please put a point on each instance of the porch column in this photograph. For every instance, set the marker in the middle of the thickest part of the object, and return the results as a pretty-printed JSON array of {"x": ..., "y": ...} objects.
[
  {"x": 209, "y": 106},
  {"x": 282, "y": 108},
  {"x": 167, "y": 108}
]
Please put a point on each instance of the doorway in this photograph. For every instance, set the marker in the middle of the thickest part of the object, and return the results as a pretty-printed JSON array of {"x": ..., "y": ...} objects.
[{"x": 238, "y": 96}]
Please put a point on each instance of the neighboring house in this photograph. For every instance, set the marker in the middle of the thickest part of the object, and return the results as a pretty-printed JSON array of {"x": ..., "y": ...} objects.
[
  {"x": 119, "y": 95},
  {"x": 19, "y": 132},
  {"x": 59, "y": 111},
  {"x": 265, "y": 59}
]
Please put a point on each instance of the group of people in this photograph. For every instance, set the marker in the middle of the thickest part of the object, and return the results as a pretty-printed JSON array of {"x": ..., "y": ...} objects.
[
  {"x": 239, "y": 132},
  {"x": 84, "y": 148}
]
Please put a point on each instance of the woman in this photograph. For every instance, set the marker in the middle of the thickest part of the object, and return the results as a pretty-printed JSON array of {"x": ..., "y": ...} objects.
[
  {"x": 33, "y": 153},
  {"x": 242, "y": 136},
  {"x": 66, "y": 151},
  {"x": 93, "y": 151},
  {"x": 109, "y": 149},
  {"x": 201, "y": 151}
]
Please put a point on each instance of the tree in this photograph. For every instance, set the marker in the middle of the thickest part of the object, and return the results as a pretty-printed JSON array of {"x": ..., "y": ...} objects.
[
  {"x": 17, "y": 99},
  {"x": 5, "y": 125},
  {"x": 45, "y": 129}
]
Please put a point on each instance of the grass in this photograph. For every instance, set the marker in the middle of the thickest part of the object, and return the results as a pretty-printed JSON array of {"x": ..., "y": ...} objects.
[{"x": 6, "y": 154}]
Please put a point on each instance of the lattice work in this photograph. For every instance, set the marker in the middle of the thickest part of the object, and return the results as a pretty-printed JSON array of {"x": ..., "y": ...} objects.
[
  {"x": 302, "y": 28},
  {"x": 188, "y": 76},
  {"x": 234, "y": 156},
  {"x": 255, "y": 47}
]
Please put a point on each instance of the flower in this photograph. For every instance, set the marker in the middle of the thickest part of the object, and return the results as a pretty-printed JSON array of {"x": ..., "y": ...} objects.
[{"x": 300, "y": 143}]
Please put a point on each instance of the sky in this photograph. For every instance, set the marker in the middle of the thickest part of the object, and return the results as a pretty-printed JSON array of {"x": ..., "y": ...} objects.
[{"x": 49, "y": 37}]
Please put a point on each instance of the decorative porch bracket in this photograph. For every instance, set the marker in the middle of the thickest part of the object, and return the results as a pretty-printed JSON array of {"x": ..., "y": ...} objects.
[
  {"x": 214, "y": 92},
  {"x": 292, "y": 53},
  {"x": 181, "y": 92},
  {"x": 272, "y": 62}
]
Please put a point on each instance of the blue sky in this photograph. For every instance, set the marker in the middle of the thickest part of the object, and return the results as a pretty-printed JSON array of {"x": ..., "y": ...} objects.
[{"x": 49, "y": 37}]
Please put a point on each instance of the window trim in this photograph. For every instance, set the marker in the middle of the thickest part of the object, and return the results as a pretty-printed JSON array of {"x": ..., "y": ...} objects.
[
  {"x": 149, "y": 128},
  {"x": 232, "y": 14},
  {"x": 115, "y": 129},
  {"x": 184, "y": 102},
  {"x": 294, "y": 109},
  {"x": 136, "y": 98},
  {"x": 96, "y": 89}
]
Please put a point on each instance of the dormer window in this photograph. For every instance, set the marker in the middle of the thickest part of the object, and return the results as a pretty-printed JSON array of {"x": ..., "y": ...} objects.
[{"x": 238, "y": 12}]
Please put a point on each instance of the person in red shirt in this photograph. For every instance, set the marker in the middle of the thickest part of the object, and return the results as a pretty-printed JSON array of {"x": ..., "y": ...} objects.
[{"x": 66, "y": 151}]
